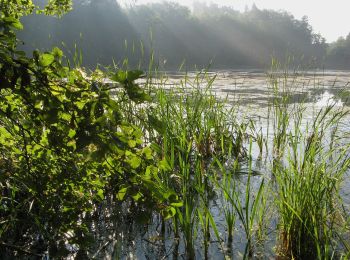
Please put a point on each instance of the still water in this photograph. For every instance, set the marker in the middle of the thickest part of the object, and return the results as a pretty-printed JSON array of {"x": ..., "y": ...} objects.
[{"x": 251, "y": 92}]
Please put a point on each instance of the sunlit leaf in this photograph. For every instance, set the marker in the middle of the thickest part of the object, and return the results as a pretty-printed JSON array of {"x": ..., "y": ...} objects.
[
  {"x": 71, "y": 133},
  {"x": 13, "y": 22},
  {"x": 100, "y": 194},
  {"x": 169, "y": 213},
  {"x": 57, "y": 52},
  {"x": 164, "y": 165},
  {"x": 177, "y": 204},
  {"x": 121, "y": 193},
  {"x": 46, "y": 59},
  {"x": 147, "y": 151},
  {"x": 136, "y": 196},
  {"x": 134, "y": 162}
]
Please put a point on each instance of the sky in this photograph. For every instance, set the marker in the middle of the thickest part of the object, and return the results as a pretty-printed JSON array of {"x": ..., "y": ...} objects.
[{"x": 330, "y": 18}]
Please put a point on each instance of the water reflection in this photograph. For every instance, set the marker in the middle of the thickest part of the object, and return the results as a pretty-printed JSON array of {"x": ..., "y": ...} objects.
[{"x": 252, "y": 91}]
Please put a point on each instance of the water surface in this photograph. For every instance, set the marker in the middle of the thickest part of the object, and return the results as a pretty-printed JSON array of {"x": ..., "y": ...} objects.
[{"x": 252, "y": 93}]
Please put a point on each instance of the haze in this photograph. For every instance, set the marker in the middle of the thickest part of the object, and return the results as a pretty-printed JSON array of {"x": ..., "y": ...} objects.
[
  {"x": 169, "y": 34},
  {"x": 330, "y": 18}
]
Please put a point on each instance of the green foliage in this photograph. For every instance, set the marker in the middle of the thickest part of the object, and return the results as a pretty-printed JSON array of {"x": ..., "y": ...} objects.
[
  {"x": 23, "y": 7},
  {"x": 65, "y": 146},
  {"x": 71, "y": 144},
  {"x": 308, "y": 193},
  {"x": 310, "y": 159},
  {"x": 338, "y": 53}
]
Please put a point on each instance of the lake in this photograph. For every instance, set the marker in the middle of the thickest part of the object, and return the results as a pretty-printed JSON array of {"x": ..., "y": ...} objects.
[{"x": 251, "y": 93}]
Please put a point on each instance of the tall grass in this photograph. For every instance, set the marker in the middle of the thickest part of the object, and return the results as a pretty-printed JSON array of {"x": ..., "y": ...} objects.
[
  {"x": 246, "y": 207},
  {"x": 200, "y": 145},
  {"x": 189, "y": 126},
  {"x": 308, "y": 188},
  {"x": 310, "y": 160}
]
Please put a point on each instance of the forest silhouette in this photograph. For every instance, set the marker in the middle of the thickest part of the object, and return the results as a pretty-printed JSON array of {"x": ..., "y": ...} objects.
[{"x": 104, "y": 32}]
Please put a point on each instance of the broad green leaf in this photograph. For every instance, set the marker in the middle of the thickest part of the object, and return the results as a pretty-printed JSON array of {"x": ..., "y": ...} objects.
[
  {"x": 71, "y": 133},
  {"x": 121, "y": 193},
  {"x": 164, "y": 165},
  {"x": 80, "y": 104},
  {"x": 66, "y": 117},
  {"x": 136, "y": 196},
  {"x": 127, "y": 129},
  {"x": 4, "y": 133},
  {"x": 13, "y": 22},
  {"x": 134, "y": 162},
  {"x": 100, "y": 194},
  {"x": 132, "y": 143},
  {"x": 46, "y": 59},
  {"x": 151, "y": 170},
  {"x": 72, "y": 144},
  {"x": 39, "y": 105},
  {"x": 57, "y": 52},
  {"x": 147, "y": 151}
]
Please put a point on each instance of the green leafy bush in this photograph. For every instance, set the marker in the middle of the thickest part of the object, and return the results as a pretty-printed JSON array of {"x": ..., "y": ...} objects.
[{"x": 65, "y": 146}]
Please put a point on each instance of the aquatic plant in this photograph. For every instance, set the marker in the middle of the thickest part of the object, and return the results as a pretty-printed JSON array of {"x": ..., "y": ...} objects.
[{"x": 308, "y": 176}]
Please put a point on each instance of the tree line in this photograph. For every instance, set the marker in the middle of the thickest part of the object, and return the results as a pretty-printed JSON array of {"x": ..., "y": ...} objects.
[{"x": 169, "y": 35}]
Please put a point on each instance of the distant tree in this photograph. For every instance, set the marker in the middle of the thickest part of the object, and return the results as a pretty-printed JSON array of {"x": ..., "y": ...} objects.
[
  {"x": 230, "y": 38},
  {"x": 97, "y": 29},
  {"x": 338, "y": 55}
]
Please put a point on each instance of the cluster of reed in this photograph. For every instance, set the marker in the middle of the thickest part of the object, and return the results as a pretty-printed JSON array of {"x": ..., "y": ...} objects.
[{"x": 206, "y": 155}]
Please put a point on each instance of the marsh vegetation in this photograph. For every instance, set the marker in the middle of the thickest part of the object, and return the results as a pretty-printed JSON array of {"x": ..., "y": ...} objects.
[{"x": 120, "y": 163}]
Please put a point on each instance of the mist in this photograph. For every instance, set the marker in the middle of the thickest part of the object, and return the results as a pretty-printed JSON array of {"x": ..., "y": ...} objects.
[{"x": 169, "y": 34}]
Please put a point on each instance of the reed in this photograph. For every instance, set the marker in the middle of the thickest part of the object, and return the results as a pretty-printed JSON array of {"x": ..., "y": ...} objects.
[
  {"x": 187, "y": 125},
  {"x": 200, "y": 146},
  {"x": 310, "y": 160},
  {"x": 245, "y": 207}
]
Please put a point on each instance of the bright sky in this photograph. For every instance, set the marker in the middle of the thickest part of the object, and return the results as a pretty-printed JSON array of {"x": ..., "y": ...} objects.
[{"x": 330, "y": 18}]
